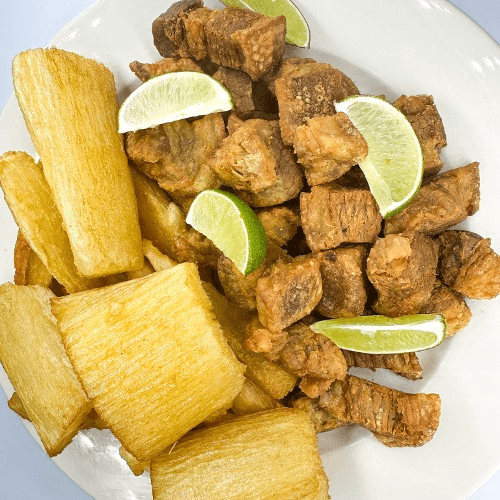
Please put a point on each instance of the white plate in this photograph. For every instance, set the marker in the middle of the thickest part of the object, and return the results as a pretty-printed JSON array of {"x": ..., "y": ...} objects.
[{"x": 385, "y": 46}]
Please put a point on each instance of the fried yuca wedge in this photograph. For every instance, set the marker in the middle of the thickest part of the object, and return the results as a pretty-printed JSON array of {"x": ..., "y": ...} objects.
[
  {"x": 253, "y": 399},
  {"x": 35, "y": 361},
  {"x": 30, "y": 200},
  {"x": 266, "y": 374},
  {"x": 29, "y": 269},
  {"x": 161, "y": 220},
  {"x": 70, "y": 108},
  {"x": 92, "y": 421},
  {"x": 159, "y": 261},
  {"x": 272, "y": 454},
  {"x": 135, "y": 466},
  {"x": 151, "y": 356}
]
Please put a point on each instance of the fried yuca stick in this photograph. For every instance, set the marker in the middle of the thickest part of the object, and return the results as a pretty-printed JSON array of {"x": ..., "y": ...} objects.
[
  {"x": 160, "y": 222},
  {"x": 159, "y": 261},
  {"x": 30, "y": 200},
  {"x": 29, "y": 269},
  {"x": 70, "y": 108},
  {"x": 268, "y": 375},
  {"x": 151, "y": 356},
  {"x": 272, "y": 454},
  {"x": 253, "y": 399},
  {"x": 35, "y": 361}
]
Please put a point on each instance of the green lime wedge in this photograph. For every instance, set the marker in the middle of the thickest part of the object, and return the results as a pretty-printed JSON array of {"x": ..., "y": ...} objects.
[
  {"x": 232, "y": 226},
  {"x": 394, "y": 165},
  {"x": 383, "y": 335},
  {"x": 172, "y": 97},
  {"x": 297, "y": 30}
]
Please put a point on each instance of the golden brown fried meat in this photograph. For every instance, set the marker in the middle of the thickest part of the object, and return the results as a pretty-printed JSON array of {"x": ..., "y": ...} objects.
[
  {"x": 300, "y": 351},
  {"x": 245, "y": 40},
  {"x": 288, "y": 185},
  {"x": 248, "y": 158},
  {"x": 259, "y": 339},
  {"x": 321, "y": 419},
  {"x": 428, "y": 126},
  {"x": 332, "y": 215},
  {"x": 441, "y": 202},
  {"x": 468, "y": 264},
  {"x": 402, "y": 268},
  {"x": 145, "y": 71},
  {"x": 451, "y": 305},
  {"x": 280, "y": 223},
  {"x": 178, "y": 154},
  {"x": 404, "y": 364},
  {"x": 168, "y": 29},
  {"x": 241, "y": 289},
  {"x": 236, "y": 38},
  {"x": 397, "y": 418},
  {"x": 343, "y": 275},
  {"x": 286, "y": 66},
  {"x": 288, "y": 291},
  {"x": 328, "y": 146},
  {"x": 308, "y": 90},
  {"x": 239, "y": 85}
]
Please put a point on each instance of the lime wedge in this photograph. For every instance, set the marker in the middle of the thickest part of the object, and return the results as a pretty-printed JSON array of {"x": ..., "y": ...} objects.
[
  {"x": 172, "y": 97},
  {"x": 232, "y": 226},
  {"x": 297, "y": 30},
  {"x": 383, "y": 335},
  {"x": 394, "y": 165}
]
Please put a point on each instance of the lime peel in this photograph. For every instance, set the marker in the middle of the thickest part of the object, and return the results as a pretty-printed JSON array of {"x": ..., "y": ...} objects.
[
  {"x": 383, "y": 335},
  {"x": 171, "y": 97},
  {"x": 231, "y": 225},
  {"x": 394, "y": 165},
  {"x": 297, "y": 29}
]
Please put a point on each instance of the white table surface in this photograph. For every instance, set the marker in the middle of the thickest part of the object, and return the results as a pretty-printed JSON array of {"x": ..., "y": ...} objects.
[{"x": 26, "y": 473}]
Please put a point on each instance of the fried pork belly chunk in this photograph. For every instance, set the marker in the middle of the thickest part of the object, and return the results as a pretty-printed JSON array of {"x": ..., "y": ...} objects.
[
  {"x": 328, "y": 146},
  {"x": 254, "y": 161},
  {"x": 168, "y": 29},
  {"x": 344, "y": 282},
  {"x": 320, "y": 418},
  {"x": 404, "y": 364},
  {"x": 402, "y": 268},
  {"x": 288, "y": 291},
  {"x": 280, "y": 223},
  {"x": 259, "y": 339},
  {"x": 239, "y": 86},
  {"x": 300, "y": 351},
  {"x": 428, "y": 126},
  {"x": 145, "y": 71},
  {"x": 468, "y": 265},
  {"x": 396, "y": 418},
  {"x": 308, "y": 90},
  {"x": 178, "y": 154},
  {"x": 245, "y": 40},
  {"x": 451, "y": 305},
  {"x": 241, "y": 289},
  {"x": 249, "y": 157},
  {"x": 286, "y": 66},
  {"x": 237, "y": 38},
  {"x": 441, "y": 202},
  {"x": 332, "y": 215}
]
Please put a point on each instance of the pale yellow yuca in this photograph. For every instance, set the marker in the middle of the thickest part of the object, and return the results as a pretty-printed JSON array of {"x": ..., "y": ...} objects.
[
  {"x": 271, "y": 377},
  {"x": 135, "y": 466},
  {"x": 159, "y": 261},
  {"x": 151, "y": 356},
  {"x": 70, "y": 108},
  {"x": 30, "y": 200},
  {"x": 29, "y": 269},
  {"x": 253, "y": 399},
  {"x": 35, "y": 361},
  {"x": 267, "y": 455},
  {"x": 161, "y": 220}
]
